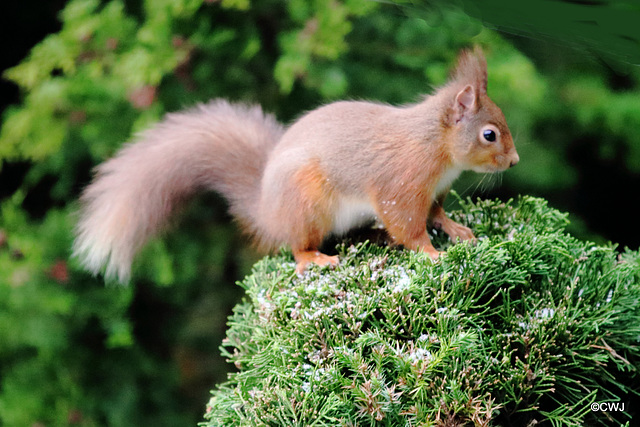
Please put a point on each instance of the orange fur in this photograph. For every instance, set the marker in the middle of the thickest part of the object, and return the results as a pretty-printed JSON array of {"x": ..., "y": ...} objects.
[{"x": 313, "y": 199}]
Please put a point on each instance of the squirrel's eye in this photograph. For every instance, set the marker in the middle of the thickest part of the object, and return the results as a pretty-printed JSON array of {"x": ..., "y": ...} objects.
[{"x": 489, "y": 135}]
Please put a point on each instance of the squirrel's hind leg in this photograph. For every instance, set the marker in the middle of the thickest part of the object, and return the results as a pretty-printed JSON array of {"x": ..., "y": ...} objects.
[{"x": 303, "y": 213}]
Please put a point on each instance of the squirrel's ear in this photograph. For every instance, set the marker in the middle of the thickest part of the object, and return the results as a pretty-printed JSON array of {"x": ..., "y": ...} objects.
[
  {"x": 464, "y": 104},
  {"x": 472, "y": 69}
]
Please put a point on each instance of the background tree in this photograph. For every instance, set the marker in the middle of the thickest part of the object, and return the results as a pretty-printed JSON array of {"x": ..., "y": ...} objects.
[{"x": 74, "y": 351}]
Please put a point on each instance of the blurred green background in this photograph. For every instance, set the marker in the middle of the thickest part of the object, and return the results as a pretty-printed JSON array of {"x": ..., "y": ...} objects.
[{"x": 82, "y": 76}]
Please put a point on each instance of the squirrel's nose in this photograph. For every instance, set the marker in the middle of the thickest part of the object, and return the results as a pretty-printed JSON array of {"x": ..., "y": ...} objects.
[{"x": 514, "y": 160}]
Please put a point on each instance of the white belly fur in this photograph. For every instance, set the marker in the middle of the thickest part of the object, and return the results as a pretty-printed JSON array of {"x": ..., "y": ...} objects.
[{"x": 352, "y": 212}]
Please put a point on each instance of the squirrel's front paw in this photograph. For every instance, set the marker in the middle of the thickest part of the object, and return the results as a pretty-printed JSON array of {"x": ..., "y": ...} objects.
[{"x": 455, "y": 231}]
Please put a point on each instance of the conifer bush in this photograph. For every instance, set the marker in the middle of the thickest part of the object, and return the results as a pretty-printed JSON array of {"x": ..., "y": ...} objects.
[{"x": 528, "y": 325}]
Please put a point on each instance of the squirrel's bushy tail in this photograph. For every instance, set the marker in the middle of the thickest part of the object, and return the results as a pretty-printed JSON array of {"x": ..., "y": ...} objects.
[{"x": 219, "y": 146}]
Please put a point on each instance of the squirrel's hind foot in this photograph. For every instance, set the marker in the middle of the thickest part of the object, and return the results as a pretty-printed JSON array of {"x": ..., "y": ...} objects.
[{"x": 304, "y": 258}]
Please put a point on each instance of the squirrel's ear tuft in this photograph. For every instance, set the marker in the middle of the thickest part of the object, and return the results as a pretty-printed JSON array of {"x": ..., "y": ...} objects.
[{"x": 472, "y": 69}]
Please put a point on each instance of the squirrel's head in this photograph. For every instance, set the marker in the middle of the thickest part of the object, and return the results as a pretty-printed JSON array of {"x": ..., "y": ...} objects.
[{"x": 480, "y": 138}]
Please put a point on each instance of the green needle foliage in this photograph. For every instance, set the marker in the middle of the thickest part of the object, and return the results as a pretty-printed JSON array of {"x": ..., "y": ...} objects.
[{"x": 529, "y": 325}]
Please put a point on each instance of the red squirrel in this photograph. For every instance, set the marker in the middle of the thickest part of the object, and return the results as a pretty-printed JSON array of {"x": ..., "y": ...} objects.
[{"x": 335, "y": 168}]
